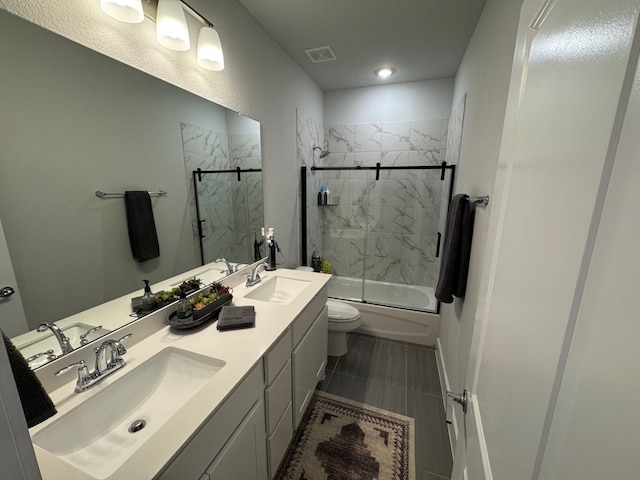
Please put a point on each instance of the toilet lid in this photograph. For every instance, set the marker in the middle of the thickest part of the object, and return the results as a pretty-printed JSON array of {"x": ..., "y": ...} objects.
[{"x": 341, "y": 312}]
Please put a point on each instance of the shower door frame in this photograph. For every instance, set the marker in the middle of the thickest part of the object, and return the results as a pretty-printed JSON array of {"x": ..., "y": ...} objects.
[
  {"x": 197, "y": 177},
  {"x": 443, "y": 167}
]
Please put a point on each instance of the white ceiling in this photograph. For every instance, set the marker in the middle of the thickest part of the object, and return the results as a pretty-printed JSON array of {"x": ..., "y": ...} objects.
[{"x": 421, "y": 39}]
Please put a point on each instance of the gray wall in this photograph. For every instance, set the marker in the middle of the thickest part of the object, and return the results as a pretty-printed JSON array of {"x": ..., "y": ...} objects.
[
  {"x": 483, "y": 76},
  {"x": 259, "y": 80}
]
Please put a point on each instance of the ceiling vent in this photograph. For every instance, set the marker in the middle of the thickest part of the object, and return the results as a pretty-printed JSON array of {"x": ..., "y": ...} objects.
[{"x": 321, "y": 54}]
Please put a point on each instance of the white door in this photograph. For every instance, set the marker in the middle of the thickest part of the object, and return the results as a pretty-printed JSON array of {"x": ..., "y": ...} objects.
[
  {"x": 562, "y": 112},
  {"x": 595, "y": 431},
  {"x": 12, "y": 318}
]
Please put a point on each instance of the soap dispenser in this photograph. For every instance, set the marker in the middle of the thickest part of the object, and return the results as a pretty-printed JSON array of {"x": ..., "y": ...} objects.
[
  {"x": 185, "y": 311},
  {"x": 148, "y": 299},
  {"x": 271, "y": 242}
]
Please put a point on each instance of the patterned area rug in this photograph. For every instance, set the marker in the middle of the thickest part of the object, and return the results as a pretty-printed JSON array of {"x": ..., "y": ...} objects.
[{"x": 339, "y": 439}]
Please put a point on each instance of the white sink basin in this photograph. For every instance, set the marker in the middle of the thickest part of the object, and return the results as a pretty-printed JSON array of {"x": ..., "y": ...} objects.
[
  {"x": 94, "y": 437},
  {"x": 49, "y": 342},
  {"x": 278, "y": 290}
]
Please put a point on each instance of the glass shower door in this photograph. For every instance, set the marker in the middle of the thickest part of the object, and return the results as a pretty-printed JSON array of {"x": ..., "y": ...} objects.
[{"x": 229, "y": 213}]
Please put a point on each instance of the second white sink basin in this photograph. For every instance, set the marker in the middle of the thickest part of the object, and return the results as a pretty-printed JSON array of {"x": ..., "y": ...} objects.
[
  {"x": 278, "y": 290},
  {"x": 95, "y": 436}
]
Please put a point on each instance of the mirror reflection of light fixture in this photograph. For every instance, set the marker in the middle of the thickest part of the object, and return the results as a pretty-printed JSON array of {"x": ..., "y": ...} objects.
[
  {"x": 128, "y": 11},
  {"x": 210, "y": 55},
  {"x": 171, "y": 26}
]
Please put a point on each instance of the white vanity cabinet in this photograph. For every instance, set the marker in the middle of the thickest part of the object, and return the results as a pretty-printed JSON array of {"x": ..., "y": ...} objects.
[
  {"x": 309, "y": 356},
  {"x": 231, "y": 444},
  {"x": 277, "y": 397}
]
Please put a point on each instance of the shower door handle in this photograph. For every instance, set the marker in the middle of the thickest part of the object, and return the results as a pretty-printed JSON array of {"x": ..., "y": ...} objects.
[{"x": 6, "y": 292}]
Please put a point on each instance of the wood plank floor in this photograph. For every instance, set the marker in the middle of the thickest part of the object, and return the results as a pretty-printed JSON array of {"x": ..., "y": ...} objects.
[{"x": 403, "y": 378}]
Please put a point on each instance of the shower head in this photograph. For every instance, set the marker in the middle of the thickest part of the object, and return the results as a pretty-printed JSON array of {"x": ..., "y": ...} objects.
[{"x": 323, "y": 153}]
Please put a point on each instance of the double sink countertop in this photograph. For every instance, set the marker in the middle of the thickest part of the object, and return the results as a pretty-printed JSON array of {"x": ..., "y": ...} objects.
[{"x": 240, "y": 350}]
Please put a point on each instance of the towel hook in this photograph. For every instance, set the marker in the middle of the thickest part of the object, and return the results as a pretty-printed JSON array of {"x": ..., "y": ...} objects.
[{"x": 481, "y": 201}]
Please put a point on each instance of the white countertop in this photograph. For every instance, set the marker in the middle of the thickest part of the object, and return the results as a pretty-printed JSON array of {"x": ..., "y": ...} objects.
[
  {"x": 240, "y": 349},
  {"x": 116, "y": 313}
]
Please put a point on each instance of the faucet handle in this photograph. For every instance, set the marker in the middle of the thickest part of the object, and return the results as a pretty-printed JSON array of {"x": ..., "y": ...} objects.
[
  {"x": 120, "y": 350},
  {"x": 83, "y": 337},
  {"x": 80, "y": 364},
  {"x": 84, "y": 377}
]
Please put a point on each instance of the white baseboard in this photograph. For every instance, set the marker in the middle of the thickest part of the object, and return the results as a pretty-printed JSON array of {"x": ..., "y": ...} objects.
[{"x": 444, "y": 385}]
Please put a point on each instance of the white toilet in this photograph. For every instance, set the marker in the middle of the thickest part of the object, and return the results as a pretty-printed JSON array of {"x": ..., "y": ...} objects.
[{"x": 343, "y": 318}]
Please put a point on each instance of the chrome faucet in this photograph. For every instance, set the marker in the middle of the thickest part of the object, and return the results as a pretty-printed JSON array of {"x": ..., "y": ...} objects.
[
  {"x": 49, "y": 353},
  {"x": 253, "y": 277},
  {"x": 230, "y": 268},
  {"x": 65, "y": 343},
  {"x": 108, "y": 360},
  {"x": 83, "y": 337}
]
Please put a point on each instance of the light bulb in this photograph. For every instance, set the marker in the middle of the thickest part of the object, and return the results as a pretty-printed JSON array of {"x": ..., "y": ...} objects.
[
  {"x": 385, "y": 72},
  {"x": 129, "y": 11},
  {"x": 210, "y": 55},
  {"x": 171, "y": 26}
]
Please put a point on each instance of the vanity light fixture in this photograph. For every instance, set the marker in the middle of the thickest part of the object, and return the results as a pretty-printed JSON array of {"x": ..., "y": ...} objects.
[
  {"x": 128, "y": 11},
  {"x": 171, "y": 27},
  {"x": 210, "y": 55},
  {"x": 385, "y": 72}
]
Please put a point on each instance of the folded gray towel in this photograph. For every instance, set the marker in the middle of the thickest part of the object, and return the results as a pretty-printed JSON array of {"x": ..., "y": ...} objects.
[
  {"x": 141, "y": 225},
  {"x": 233, "y": 318},
  {"x": 456, "y": 253},
  {"x": 36, "y": 404}
]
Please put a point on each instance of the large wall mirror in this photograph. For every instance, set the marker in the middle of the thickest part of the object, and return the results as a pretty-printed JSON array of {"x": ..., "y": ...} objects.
[{"x": 74, "y": 121}]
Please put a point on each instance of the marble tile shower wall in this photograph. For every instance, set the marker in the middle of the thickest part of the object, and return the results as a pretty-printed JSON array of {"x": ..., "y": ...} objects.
[
  {"x": 387, "y": 229},
  {"x": 224, "y": 213},
  {"x": 247, "y": 199},
  {"x": 309, "y": 134}
]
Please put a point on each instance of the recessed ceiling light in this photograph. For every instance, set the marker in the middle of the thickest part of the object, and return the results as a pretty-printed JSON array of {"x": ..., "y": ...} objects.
[{"x": 385, "y": 72}]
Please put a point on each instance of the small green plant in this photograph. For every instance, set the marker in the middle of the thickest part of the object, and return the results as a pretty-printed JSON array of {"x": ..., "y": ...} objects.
[{"x": 326, "y": 266}]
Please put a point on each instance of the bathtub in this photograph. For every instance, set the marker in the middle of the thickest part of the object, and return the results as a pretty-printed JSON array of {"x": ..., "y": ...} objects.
[{"x": 391, "y": 310}]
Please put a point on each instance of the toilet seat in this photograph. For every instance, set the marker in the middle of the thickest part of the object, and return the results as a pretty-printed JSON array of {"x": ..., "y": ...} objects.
[{"x": 340, "y": 312}]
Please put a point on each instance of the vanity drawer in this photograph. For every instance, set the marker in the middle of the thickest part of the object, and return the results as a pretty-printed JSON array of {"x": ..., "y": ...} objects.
[
  {"x": 279, "y": 440},
  {"x": 277, "y": 397},
  {"x": 308, "y": 315},
  {"x": 277, "y": 358}
]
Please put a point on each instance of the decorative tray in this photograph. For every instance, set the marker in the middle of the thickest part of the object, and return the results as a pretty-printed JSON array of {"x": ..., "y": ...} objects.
[{"x": 201, "y": 315}]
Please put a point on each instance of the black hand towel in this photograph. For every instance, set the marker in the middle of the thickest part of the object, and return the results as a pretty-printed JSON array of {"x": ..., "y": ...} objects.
[
  {"x": 35, "y": 401},
  {"x": 142, "y": 227},
  {"x": 457, "y": 250}
]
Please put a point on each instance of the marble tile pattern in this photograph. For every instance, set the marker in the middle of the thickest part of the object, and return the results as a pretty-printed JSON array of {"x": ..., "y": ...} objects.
[
  {"x": 309, "y": 134},
  {"x": 222, "y": 202},
  {"x": 386, "y": 229}
]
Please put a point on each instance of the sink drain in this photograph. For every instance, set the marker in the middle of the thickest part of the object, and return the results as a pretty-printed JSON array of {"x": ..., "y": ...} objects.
[{"x": 137, "y": 425}]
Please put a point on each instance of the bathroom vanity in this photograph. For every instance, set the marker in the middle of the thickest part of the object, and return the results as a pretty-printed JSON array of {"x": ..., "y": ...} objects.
[{"x": 212, "y": 405}]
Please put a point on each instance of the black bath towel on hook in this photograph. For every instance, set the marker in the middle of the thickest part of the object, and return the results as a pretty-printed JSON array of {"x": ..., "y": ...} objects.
[
  {"x": 36, "y": 403},
  {"x": 141, "y": 225},
  {"x": 454, "y": 267}
]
